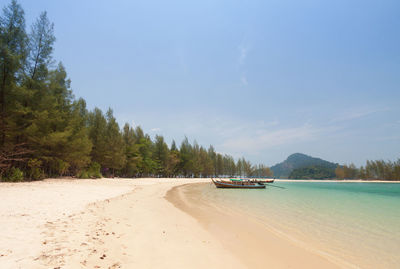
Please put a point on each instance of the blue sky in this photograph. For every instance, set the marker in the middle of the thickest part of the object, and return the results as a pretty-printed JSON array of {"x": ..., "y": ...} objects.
[{"x": 259, "y": 79}]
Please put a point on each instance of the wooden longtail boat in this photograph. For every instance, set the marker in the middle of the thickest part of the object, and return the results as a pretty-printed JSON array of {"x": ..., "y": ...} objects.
[{"x": 238, "y": 185}]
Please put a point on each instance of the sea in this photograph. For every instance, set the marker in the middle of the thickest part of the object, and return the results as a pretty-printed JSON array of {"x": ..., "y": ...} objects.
[{"x": 356, "y": 224}]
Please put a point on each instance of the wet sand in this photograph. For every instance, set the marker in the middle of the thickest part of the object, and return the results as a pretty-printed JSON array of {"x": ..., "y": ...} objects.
[{"x": 255, "y": 244}]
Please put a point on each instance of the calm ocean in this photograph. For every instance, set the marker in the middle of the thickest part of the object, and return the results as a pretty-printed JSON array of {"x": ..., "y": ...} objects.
[{"x": 358, "y": 223}]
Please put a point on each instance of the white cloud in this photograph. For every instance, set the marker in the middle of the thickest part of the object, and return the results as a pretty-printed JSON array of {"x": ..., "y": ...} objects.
[{"x": 155, "y": 130}]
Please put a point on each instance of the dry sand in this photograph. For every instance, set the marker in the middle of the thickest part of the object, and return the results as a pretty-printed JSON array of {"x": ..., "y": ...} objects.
[
  {"x": 128, "y": 223},
  {"x": 78, "y": 224}
]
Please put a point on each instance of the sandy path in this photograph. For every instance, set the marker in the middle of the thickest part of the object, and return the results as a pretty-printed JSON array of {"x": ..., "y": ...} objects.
[{"x": 50, "y": 225}]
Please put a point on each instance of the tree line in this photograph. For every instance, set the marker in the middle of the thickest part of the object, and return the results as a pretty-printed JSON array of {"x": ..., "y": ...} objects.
[
  {"x": 373, "y": 170},
  {"x": 45, "y": 131},
  {"x": 379, "y": 170}
]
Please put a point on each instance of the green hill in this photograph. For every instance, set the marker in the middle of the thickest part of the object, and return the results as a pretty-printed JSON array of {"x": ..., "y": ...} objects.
[{"x": 297, "y": 161}]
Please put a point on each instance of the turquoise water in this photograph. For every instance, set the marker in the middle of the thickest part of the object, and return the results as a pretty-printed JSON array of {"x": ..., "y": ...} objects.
[{"x": 356, "y": 223}]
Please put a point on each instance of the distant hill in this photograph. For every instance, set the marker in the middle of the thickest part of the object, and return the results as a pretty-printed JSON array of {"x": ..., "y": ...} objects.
[{"x": 299, "y": 160}]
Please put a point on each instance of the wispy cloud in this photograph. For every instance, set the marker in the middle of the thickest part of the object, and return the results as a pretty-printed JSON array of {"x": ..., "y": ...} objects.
[
  {"x": 356, "y": 114},
  {"x": 261, "y": 140},
  {"x": 241, "y": 137},
  {"x": 155, "y": 130},
  {"x": 243, "y": 51},
  {"x": 243, "y": 80}
]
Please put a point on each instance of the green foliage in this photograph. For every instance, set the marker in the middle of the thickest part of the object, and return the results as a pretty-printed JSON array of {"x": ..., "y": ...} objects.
[
  {"x": 83, "y": 174},
  {"x": 373, "y": 170},
  {"x": 312, "y": 172},
  {"x": 14, "y": 175},
  {"x": 346, "y": 172},
  {"x": 262, "y": 171},
  {"x": 35, "y": 172},
  {"x": 94, "y": 170},
  {"x": 41, "y": 40},
  {"x": 62, "y": 167}
]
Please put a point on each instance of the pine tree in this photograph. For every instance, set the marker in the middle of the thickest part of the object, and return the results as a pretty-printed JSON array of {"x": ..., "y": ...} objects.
[
  {"x": 160, "y": 154},
  {"x": 97, "y": 135},
  {"x": 114, "y": 155},
  {"x": 41, "y": 41},
  {"x": 132, "y": 154},
  {"x": 13, "y": 53}
]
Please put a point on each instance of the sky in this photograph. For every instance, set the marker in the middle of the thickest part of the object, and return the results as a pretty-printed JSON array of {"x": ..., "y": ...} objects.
[{"x": 259, "y": 79}]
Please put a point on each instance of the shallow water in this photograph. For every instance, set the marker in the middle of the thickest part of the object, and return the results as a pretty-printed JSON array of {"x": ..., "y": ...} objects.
[{"x": 357, "y": 223}]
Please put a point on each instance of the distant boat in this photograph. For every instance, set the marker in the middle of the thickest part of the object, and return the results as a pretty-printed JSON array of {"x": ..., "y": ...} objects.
[
  {"x": 238, "y": 184},
  {"x": 266, "y": 181},
  {"x": 252, "y": 180}
]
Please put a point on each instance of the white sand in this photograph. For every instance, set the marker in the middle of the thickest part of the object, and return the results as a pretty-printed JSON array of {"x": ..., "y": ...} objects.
[
  {"x": 26, "y": 207},
  {"x": 49, "y": 224}
]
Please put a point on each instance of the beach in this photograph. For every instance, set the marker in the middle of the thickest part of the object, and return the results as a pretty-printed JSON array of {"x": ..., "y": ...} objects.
[
  {"x": 350, "y": 224},
  {"x": 119, "y": 223},
  {"x": 136, "y": 223}
]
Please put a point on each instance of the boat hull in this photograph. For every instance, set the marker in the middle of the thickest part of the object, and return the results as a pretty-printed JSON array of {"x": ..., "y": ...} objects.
[
  {"x": 266, "y": 181},
  {"x": 243, "y": 185}
]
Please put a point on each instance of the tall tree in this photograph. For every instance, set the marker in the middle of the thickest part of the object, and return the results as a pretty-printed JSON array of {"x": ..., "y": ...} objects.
[
  {"x": 132, "y": 154},
  {"x": 114, "y": 156},
  {"x": 97, "y": 134},
  {"x": 12, "y": 57},
  {"x": 186, "y": 158},
  {"x": 161, "y": 153},
  {"x": 41, "y": 41}
]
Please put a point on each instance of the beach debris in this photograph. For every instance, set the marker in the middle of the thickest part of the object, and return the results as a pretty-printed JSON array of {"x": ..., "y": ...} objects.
[{"x": 115, "y": 265}]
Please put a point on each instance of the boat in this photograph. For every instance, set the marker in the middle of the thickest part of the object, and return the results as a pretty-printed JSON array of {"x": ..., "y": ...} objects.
[
  {"x": 235, "y": 180},
  {"x": 266, "y": 181},
  {"x": 238, "y": 184}
]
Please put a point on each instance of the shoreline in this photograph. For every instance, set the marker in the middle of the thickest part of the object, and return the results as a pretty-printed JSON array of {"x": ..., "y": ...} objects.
[
  {"x": 338, "y": 180},
  {"x": 249, "y": 239}
]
